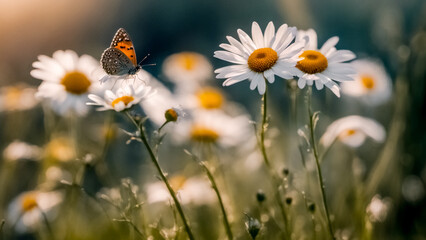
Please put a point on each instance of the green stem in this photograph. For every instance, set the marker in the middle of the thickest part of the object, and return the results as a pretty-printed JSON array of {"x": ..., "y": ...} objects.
[
  {"x": 222, "y": 207},
  {"x": 320, "y": 178},
  {"x": 161, "y": 127},
  {"x": 101, "y": 167},
  {"x": 140, "y": 234},
  {"x": 46, "y": 222},
  {"x": 275, "y": 178},
  {"x": 162, "y": 175},
  {"x": 1, "y": 228}
]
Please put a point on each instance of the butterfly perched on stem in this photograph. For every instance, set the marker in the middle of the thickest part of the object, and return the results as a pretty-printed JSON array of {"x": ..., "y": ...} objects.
[{"x": 120, "y": 58}]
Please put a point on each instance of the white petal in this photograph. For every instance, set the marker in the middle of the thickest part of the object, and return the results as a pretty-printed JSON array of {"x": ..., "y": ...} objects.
[
  {"x": 283, "y": 74},
  {"x": 257, "y": 35},
  {"x": 230, "y": 57},
  {"x": 229, "y": 82},
  {"x": 337, "y": 76},
  {"x": 279, "y": 37},
  {"x": 261, "y": 87},
  {"x": 87, "y": 64},
  {"x": 287, "y": 38},
  {"x": 45, "y": 76},
  {"x": 231, "y": 71},
  {"x": 234, "y": 42},
  {"x": 67, "y": 59},
  {"x": 253, "y": 83},
  {"x": 292, "y": 51},
  {"x": 52, "y": 65},
  {"x": 246, "y": 40},
  {"x": 329, "y": 44},
  {"x": 269, "y": 75},
  {"x": 301, "y": 83},
  {"x": 233, "y": 49},
  {"x": 269, "y": 34},
  {"x": 319, "y": 85},
  {"x": 333, "y": 87},
  {"x": 310, "y": 37},
  {"x": 341, "y": 56}
]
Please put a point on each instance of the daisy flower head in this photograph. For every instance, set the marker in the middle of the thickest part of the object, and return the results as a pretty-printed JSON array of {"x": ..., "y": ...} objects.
[
  {"x": 18, "y": 150},
  {"x": 123, "y": 98},
  {"x": 378, "y": 208},
  {"x": 67, "y": 80},
  {"x": 207, "y": 98},
  {"x": 372, "y": 84},
  {"x": 17, "y": 98},
  {"x": 156, "y": 105},
  {"x": 323, "y": 65},
  {"x": 193, "y": 190},
  {"x": 28, "y": 208},
  {"x": 352, "y": 131},
  {"x": 60, "y": 149},
  {"x": 214, "y": 127},
  {"x": 260, "y": 57},
  {"x": 187, "y": 69}
]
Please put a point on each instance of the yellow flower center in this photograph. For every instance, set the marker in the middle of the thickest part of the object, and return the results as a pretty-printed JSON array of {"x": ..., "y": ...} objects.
[
  {"x": 187, "y": 61},
  {"x": 29, "y": 202},
  {"x": 125, "y": 99},
  {"x": 262, "y": 59},
  {"x": 13, "y": 94},
  {"x": 76, "y": 82},
  {"x": 210, "y": 98},
  {"x": 367, "y": 82},
  {"x": 347, "y": 133},
  {"x": 61, "y": 149},
  {"x": 203, "y": 134},
  {"x": 177, "y": 182},
  {"x": 313, "y": 62}
]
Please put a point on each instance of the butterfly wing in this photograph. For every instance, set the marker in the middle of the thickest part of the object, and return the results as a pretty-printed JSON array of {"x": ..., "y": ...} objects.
[
  {"x": 122, "y": 42},
  {"x": 115, "y": 62}
]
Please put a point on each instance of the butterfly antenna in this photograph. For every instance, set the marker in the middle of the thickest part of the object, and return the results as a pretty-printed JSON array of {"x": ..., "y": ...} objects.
[
  {"x": 151, "y": 64},
  {"x": 143, "y": 59}
]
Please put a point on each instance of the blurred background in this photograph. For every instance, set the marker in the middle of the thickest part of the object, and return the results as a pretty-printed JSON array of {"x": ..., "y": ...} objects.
[{"x": 389, "y": 30}]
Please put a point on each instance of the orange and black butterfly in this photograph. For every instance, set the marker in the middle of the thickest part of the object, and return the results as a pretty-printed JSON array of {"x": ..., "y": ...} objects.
[{"x": 120, "y": 58}]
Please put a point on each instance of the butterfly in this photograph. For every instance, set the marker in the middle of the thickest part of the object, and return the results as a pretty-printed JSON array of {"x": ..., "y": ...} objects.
[{"x": 120, "y": 58}]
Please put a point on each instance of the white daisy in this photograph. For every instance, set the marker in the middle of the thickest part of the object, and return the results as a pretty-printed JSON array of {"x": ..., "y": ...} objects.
[
  {"x": 323, "y": 65},
  {"x": 215, "y": 127},
  {"x": 155, "y": 106},
  {"x": 187, "y": 70},
  {"x": 67, "y": 80},
  {"x": 17, "y": 98},
  {"x": 261, "y": 57},
  {"x": 352, "y": 131},
  {"x": 372, "y": 84},
  {"x": 125, "y": 97},
  {"x": 194, "y": 190},
  {"x": 61, "y": 149},
  {"x": 18, "y": 150},
  {"x": 208, "y": 98},
  {"x": 26, "y": 210},
  {"x": 377, "y": 210}
]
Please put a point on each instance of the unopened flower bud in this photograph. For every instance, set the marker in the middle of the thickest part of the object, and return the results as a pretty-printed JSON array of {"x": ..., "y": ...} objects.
[
  {"x": 311, "y": 207},
  {"x": 285, "y": 172},
  {"x": 171, "y": 115},
  {"x": 253, "y": 226},
  {"x": 260, "y": 196}
]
